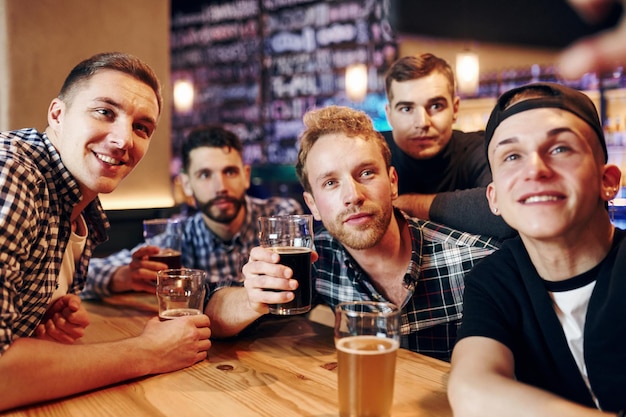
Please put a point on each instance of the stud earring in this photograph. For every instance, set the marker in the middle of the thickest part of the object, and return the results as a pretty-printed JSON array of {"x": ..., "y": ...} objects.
[{"x": 495, "y": 210}]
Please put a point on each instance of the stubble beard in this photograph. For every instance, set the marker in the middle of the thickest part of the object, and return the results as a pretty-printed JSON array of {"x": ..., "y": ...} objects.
[{"x": 363, "y": 236}]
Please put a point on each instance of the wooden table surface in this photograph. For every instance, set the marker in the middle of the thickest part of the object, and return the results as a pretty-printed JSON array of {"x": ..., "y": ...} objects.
[{"x": 284, "y": 368}]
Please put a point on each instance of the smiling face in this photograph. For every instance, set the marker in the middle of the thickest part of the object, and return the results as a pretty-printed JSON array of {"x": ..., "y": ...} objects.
[
  {"x": 351, "y": 189},
  {"x": 218, "y": 180},
  {"x": 421, "y": 113},
  {"x": 549, "y": 176},
  {"x": 103, "y": 129}
]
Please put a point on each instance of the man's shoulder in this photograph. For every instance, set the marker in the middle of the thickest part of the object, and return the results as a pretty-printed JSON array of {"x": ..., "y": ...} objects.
[
  {"x": 439, "y": 233},
  {"x": 23, "y": 141},
  {"x": 24, "y": 134},
  {"x": 24, "y": 150}
]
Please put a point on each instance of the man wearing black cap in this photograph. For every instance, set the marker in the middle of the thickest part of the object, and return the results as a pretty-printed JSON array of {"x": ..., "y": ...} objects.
[{"x": 543, "y": 330}]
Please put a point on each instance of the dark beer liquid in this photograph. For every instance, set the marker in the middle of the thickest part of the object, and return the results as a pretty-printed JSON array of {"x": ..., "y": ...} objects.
[
  {"x": 172, "y": 258},
  {"x": 299, "y": 260}
]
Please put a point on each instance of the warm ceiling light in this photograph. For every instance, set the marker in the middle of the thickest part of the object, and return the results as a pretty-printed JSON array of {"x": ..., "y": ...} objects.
[
  {"x": 467, "y": 72},
  {"x": 356, "y": 82},
  {"x": 183, "y": 95}
]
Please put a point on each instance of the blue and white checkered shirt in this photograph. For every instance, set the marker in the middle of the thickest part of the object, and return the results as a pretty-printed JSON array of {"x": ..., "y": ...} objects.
[
  {"x": 37, "y": 195},
  {"x": 431, "y": 313},
  {"x": 201, "y": 249}
]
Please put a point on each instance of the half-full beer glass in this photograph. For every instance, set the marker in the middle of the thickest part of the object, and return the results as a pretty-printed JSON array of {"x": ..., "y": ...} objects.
[
  {"x": 167, "y": 235},
  {"x": 291, "y": 236},
  {"x": 367, "y": 337}
]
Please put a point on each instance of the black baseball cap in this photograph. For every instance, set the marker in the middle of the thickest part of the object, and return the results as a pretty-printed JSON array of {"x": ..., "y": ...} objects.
[{"x": 558, "y": 96}]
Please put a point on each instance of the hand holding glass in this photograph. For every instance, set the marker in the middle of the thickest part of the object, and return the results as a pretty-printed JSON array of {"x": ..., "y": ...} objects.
[
  {"x": 291, "y": 236},
  {"x": 367, "y": 337},
  {"x": 167, "y": 235},
  {"x": 180, "y": 292}
]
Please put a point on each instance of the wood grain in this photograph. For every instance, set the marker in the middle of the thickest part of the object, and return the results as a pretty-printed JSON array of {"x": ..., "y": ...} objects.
[{"x": 285, "y": 367}]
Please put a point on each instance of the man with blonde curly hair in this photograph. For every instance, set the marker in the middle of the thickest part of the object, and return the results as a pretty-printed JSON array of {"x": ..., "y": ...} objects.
[{"x": 367, "y": 249}]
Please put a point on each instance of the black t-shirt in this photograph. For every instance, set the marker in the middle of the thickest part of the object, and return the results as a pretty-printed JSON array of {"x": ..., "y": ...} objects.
[
  {"x": 460, "y": 166},
  {"x": 506, "y": 300},
  {"x": 459, "y": 176}
]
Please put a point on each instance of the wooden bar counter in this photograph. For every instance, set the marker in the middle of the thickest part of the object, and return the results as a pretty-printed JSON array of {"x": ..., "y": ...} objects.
[{"x": 284, "y": 368}]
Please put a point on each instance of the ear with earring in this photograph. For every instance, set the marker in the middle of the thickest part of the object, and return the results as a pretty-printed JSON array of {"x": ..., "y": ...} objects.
[{"x": 611, "y": 192}]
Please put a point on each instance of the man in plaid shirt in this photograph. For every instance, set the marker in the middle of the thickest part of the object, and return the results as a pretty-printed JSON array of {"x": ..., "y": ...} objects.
[
  {"x": 368, "y": 250},
  {"x": 218, "y": 238},
  {"x": 99, "y": 128}
]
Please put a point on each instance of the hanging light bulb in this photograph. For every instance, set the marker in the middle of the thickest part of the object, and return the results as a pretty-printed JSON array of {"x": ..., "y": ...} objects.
[
  {"x": 183, "y": 95},
  {"x": 467, "y": 72},
  {"x": 356, "y": 82}
]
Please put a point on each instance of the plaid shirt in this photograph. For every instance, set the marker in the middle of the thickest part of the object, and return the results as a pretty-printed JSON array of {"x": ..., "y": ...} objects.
[
  {"x": 432, "y": 311},
  {"x": 37, "y": 195},
  {"x": 201, "y": 249}
]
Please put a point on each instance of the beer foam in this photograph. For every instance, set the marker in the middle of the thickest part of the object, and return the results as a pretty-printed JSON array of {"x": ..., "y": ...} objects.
[
  {"x": 290, "y": 249},
  {"x": 367, "y": 345}
]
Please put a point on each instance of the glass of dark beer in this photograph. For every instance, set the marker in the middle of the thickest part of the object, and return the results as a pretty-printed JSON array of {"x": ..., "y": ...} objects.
[
  {"x": 165, "y": 234},
  {"x": 291, "y": 236}
]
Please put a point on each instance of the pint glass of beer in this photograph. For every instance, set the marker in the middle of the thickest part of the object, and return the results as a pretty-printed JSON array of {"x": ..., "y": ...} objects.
[
  {"x": 180, "y": 292},
  {"x": 167, "y": 235},
  {"x": 291, "y": 236},
  {"x": 367, "y": 337}
]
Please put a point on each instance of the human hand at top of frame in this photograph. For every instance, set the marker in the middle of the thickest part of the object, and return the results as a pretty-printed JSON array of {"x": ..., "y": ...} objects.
[{"x": 601, "y": 52}]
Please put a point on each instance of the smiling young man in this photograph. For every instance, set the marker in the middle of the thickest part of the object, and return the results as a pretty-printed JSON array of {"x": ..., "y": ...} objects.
[
  {"x": 217, "y": 238},
  {"x": 99, "y": 128},
  {"x": 442, "y": 172},
  {"x": 368, "y": 250},
  {"x": 543, "y": 331}
]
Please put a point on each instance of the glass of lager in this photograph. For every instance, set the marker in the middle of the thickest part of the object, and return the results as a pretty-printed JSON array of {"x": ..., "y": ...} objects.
[
  {"x": 367, "y": 337},
  {"x": 291, "y": 236},
  {"x": 180, "y": 292}
]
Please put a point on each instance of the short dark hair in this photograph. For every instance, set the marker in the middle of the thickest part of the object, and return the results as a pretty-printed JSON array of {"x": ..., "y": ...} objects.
[
  {"x": 413, "y": 67},
  {"x": 212, "y": 136},
  {"x": 117, "y": 61}
]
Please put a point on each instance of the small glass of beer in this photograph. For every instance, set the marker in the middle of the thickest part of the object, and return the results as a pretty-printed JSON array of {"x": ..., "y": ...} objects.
[
  {"x": 167, "y": 235},
  {"x": 367, "y": 337},
  {"x": 291, "y": 236},
  {"x": 180, "y": 292}
]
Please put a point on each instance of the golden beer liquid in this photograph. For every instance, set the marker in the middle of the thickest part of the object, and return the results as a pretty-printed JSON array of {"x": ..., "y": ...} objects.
[{"x": 366, "y": 370}]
